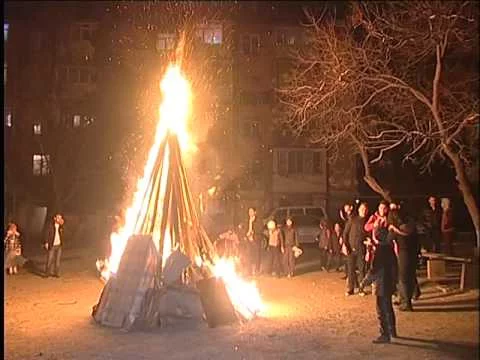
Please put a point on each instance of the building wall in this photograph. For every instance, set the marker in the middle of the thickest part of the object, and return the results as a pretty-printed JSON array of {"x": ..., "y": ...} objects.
[{"x": 249, "y": 63}]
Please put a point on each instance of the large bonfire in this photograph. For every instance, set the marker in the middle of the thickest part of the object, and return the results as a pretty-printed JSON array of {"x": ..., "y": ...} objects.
[{"x": 162, "y": 205}]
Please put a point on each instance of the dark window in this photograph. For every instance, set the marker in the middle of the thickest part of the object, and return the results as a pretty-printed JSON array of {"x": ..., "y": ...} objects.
[
  {"x": 63, "y": 75},
  {"x": 284, "y": 68},
  {"x": 282, "y": 163},
  {"x": 308, "y": 162},
  {"x": 246, "y": 44},
  {"x": 299, "y": 162},
  {"x": 85, "y": 34},
  {"x": 73, "y": 75},
  {"x": 84, "y": 76},
  {"x": 250, "y": 44},
  {"x": 317, "y": 162},
  {"x": 292, "y": 163}
]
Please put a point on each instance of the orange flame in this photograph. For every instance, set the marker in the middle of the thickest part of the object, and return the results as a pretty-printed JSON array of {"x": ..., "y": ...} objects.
[{"x": 174, "y": 113}]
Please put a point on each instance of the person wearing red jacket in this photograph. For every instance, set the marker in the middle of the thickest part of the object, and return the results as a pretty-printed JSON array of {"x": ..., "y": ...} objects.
[{"x": 376, "y": 221}]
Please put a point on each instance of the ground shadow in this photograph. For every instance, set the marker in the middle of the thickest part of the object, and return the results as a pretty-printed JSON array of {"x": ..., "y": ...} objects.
[
  {"x": 34, "y": 268},
  {"x": 458, "y": 350},
  {"x": 308, "y": 268}
]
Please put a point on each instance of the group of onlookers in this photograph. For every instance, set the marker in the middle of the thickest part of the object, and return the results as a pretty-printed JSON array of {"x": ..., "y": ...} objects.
[
  {"x": 438, "y": 226},
  {"x": 260, "y": 248},
  {"x": 384, "y": 248},
  {"x": 53, "y": 243}
]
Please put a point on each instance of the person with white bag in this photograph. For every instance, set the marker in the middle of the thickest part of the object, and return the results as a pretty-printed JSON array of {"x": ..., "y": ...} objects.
[{"x": 292, "y": 250}]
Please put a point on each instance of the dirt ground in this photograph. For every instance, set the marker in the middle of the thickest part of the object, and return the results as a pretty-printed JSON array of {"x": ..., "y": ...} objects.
[{"x": 307, "y": 317}]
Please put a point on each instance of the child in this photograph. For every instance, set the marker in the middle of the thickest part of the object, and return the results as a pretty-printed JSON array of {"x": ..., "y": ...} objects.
[
  {"x": 383, "y": 275},
  {"x": 13, "y": 249}
]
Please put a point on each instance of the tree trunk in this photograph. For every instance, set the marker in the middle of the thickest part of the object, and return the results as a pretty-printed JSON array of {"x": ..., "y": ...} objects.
[
  {"x": 368, "y": 177},
  {"x": 465, "y": 189}
]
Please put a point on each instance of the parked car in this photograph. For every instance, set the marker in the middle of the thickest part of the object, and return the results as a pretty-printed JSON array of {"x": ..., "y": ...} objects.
[{"x": 305, "y": 218}]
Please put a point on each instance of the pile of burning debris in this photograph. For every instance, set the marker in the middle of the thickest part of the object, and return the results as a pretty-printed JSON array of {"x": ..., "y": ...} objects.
[
  {"x": 134, "y": 298},
  {"x": 162, "y": 262}
]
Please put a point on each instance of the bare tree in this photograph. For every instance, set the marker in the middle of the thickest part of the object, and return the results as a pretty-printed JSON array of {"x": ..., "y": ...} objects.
[
  {"x": 399, "y": 75},
  {"x": 323, "y": 103}
]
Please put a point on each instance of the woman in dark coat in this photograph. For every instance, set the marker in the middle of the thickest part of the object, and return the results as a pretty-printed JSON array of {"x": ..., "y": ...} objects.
[
  {"x": 334, "y": 247},
  {"x": 290, "y": 240}
]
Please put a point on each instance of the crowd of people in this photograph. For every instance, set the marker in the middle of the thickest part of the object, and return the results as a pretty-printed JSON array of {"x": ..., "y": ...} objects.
[
  {"x": 383, "y": 249},
  {"x": 380, "y": 249},
  {"x": 261, "y": 249}
]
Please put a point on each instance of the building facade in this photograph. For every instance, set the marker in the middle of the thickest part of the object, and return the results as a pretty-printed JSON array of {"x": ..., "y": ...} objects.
[{"x": 243, "y": 149}]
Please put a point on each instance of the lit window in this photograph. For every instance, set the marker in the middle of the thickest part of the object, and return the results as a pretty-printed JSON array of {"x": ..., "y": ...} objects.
[
  {"x": 284, "y": 39},
  {"x": 76, "y": 120},
  {"x": 281, "y": 39},
  {"x": 41, "y": 165},
  {"x": 210, "y": 35},
  {"x": 8, "y": 119},
  {"x": 5, "y": 31},
  {"x": 37, "y": 129}
]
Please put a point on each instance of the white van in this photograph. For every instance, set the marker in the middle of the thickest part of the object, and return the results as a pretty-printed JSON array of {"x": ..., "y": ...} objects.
[{"x": 306, "y": 220}]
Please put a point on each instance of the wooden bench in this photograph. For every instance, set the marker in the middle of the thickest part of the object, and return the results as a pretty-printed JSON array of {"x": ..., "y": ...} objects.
[{"x": 436, "y": 268}]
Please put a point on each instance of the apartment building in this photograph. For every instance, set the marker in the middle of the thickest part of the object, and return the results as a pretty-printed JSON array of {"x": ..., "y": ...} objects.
[{"x": 237, "y": 125}]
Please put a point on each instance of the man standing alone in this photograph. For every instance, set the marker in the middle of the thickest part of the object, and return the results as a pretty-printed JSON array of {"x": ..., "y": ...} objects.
[
  {"x": 353, "y": 236},
  {"x": 254, "y": 237},
  {"x": 432, "y": 219},
  {"x": 53, "y": 244}
]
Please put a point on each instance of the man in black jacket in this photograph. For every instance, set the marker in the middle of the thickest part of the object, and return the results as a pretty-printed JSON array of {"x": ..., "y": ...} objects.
[
  {"x": 255, "y": 236},
  {"x": 383, "y": 275},
  {"x": 432, "y": 218},
  {"x": 353, "y": 236},
  {"x": 54, "y": 241},
  {"x": 402, "y": 229}
]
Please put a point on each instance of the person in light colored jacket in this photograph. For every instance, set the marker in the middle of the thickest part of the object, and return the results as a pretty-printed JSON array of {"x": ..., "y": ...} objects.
[{"x": 275, "y": 249}]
